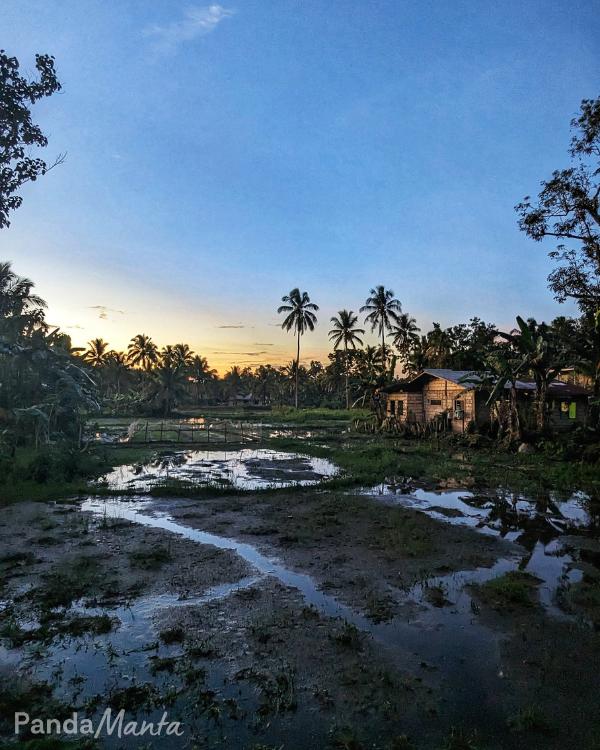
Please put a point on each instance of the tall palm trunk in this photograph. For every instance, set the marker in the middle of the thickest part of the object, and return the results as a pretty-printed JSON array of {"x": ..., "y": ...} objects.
[
  {"x": 297, "y": 368},
  {"x": 346, "y": 374}
]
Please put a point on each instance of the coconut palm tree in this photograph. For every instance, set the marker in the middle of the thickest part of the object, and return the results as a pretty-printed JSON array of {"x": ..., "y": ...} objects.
[
  {"x": 117, "y": 369},
  {"x": 16, "y": 295},
  {"x": 168, "y": 356},
  {"x": 97, "y": 353},
  {"x": 416, "y": 358},
  {"x": 142, "y": 351},
  {"x": 344, "y": 332},
  {"x": 439, "y": 346},
  {"x": 167, "y": 387},
  {"x": 200, "y": 375},
  {"x": 266, "y": 378},
  {"x": 300, "y": 317},
  {"x": 183, "y": 355},
  {"x": 404, "y": 332},
  {"x": 383, "y": 310}
]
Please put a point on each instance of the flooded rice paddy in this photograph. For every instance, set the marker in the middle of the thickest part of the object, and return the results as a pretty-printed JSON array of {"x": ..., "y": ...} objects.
[
  {"x": 249, "y": 646},
  {"x": 247, "y": 469}
]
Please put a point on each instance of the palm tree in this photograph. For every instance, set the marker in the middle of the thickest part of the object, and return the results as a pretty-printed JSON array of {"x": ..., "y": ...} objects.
[
  {"x": 300, "y": 317},
  {"x": 167, "y": 387},
  {"x": 117, "y": 368},
  {"x": 344, "y": 332},
  {"x": 266, "y": 377},
  {"x": 383, "y": 310},
  {"x": 168, "y": 356},
  {"x": 439, "y": 346},
  {"x": 371, "y": 372},
  {"x": 200, "y": 374},
  {"x": 142, "y": 351},
  {"x": 404, "y": 332},
  {"x": 97, "y": 353},
  {"x": 21, "y": 311},
  {"x": 540, "y": 352},
  {"x": 416, "y": 359},
  {"x": 183, "y": 355}
]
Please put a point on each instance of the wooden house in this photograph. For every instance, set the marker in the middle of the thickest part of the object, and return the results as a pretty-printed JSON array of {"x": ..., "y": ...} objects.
[{"x": 454, "y": 398}]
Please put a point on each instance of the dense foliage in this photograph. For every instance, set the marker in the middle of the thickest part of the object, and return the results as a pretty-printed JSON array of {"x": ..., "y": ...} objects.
[{"x": 18, "y": 132}]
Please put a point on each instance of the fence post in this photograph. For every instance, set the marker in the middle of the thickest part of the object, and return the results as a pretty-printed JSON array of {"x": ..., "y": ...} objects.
[
  {"x": 241, "y": 431},
  {"x": 161, "y": 431},
  {"x": 208, "y": 434},
  {"x": 146, "y": 435},
  {"x": 179, "y": 432},
  {"x": 225, "y": 433}
]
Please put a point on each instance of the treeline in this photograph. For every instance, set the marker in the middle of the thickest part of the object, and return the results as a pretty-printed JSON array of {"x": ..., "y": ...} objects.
[{"x": 47, "y": 387}]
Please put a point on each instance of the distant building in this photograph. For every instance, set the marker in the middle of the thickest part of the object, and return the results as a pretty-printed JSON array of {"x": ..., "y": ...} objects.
[
  {"x": 239, "y": 399},
  {"x": 456, "y": 397}
]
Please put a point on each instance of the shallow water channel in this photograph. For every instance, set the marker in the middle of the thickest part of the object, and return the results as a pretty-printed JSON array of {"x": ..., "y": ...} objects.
[{"x": 449, "y": 642}]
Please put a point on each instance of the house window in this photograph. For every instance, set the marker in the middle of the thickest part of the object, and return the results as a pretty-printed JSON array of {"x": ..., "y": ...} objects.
[
  {"x": 400, "y": 408},
  {"x": 572, "y": 410},
  {"x": 392, "y": 407},
  {"x": 435, "y": 401}
]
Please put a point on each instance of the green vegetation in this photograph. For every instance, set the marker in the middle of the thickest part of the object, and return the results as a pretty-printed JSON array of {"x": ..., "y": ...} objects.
[
  {"x": 583, "y": 597},
  {"x": 60, "y": 471},
  {"x": 513, "y": 588}
]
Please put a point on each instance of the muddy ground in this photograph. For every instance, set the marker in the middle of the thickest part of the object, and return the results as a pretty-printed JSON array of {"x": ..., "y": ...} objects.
[
  {"x": 98, "y": 611},
  {"x": 358, "y": 550}
]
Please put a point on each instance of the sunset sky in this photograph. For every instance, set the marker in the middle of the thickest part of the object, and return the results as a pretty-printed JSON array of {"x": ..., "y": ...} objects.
[{"x": 218, "y": 156}]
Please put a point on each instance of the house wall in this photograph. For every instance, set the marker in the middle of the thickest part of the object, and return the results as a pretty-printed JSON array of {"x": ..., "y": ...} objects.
[
  {"x": 440, "y": 396},
  {"x": 422, "y": 406},
  {"x": 566, "y": 413}
]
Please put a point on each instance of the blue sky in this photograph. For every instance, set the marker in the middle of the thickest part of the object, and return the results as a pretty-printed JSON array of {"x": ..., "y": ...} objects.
[{"x": 219, "y": 155}]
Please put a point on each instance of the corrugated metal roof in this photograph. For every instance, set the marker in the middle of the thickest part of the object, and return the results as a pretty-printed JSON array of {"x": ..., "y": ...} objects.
[
  {"x": 556, "y": 388},
  {"x": 455, "y": 376}
]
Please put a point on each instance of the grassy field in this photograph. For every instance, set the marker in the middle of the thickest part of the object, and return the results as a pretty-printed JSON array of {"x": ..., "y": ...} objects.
[{"x": 364, "y": 459}]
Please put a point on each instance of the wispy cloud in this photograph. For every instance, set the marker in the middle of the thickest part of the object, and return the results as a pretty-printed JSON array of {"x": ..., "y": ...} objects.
[
  {"x": 240, "y": 326},
  {"x": 197, "y": 21},
  {"x": 103, "y": 311}
]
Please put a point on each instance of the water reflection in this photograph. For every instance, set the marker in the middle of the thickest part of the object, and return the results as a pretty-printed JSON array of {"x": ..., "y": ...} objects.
[{"x": 247, "y": 469}]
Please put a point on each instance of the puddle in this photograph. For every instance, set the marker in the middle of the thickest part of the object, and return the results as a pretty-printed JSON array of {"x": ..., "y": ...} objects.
[
  {"x": 536, "y": 524},
  {"x": 502, "y": 513},
  {"x": 546, "y": 562},
  {"x": 245, "y": 469},
  {"x": 448, "y": 642}
]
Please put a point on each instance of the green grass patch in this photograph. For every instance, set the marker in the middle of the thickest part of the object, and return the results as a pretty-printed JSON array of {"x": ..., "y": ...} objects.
[
  {"x": 61, "y": 471},
  {"x": 513, "y": 588}
]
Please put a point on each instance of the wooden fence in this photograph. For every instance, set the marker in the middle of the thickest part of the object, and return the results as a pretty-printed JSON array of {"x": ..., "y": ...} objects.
[{"x": 214, "y": 432}]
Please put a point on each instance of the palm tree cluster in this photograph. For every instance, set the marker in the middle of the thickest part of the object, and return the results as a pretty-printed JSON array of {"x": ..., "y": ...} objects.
[
  {"x": 44, "y": 390},
  {"x": 47, "y": 386},
  {"x": 146, "y": 377}
]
